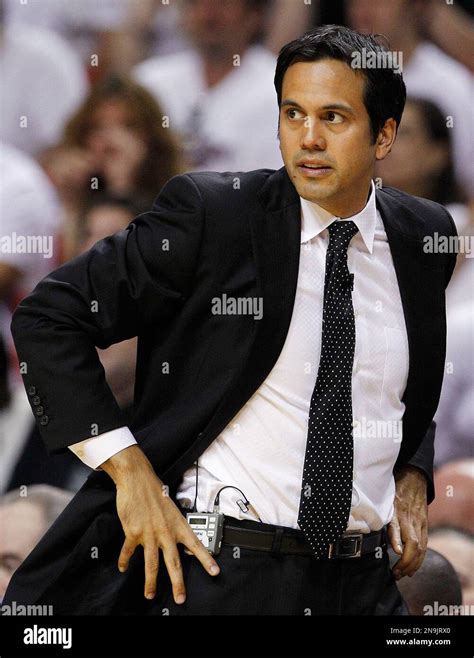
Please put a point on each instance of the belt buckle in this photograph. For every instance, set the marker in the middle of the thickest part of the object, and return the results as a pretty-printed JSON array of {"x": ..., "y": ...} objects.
[{"x": 349, "y": 545}]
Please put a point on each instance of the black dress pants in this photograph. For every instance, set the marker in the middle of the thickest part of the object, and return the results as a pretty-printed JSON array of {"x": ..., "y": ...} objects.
[{"x": 253, "y": 582}]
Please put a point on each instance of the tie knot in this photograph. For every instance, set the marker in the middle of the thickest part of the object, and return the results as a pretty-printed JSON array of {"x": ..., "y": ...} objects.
[{"x": 341, "y": 233}]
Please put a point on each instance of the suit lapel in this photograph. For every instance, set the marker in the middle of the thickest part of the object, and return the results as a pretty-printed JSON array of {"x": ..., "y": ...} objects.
[{"x": 276, "y": 229}]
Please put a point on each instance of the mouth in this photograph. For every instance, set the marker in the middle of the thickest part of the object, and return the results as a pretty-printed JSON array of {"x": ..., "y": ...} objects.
[{"x": 313, "y": 170}]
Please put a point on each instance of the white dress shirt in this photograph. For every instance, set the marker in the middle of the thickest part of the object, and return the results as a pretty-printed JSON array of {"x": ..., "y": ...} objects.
[{"x": 262, "y": 449}]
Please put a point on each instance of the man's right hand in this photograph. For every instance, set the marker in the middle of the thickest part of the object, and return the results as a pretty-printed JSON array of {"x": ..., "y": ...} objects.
[{"x": 151, "y": 519}]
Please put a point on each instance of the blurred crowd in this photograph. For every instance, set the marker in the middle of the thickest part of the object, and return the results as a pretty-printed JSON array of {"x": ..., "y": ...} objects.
[{"x": 104, "y": 101}]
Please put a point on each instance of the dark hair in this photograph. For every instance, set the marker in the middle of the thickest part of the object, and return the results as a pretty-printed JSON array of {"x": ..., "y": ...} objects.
[
  {"x": 444, "y": 186},
  {"x": 162, "y": 160},
  {"x": 385, "y": 92},
  {"x": 131, "y": 205}
]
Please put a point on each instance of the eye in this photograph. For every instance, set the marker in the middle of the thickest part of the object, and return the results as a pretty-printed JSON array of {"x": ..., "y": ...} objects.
[
  {"x": 334, "y": 117},
  {"x": 293, "y": 112}
]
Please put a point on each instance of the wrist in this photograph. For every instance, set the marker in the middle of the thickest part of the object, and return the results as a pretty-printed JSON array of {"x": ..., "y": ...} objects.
[{"x": 126, "y": 463}]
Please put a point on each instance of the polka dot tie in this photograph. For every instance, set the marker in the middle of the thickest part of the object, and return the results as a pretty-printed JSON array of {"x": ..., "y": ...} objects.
[{"x": 327, "y": 473}]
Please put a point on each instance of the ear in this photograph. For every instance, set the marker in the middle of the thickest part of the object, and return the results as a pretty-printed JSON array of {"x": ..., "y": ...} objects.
[{"x": 385, "y": 139}]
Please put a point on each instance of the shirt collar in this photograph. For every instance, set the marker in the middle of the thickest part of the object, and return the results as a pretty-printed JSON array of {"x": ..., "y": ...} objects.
[{"x": 315, "y": 219}]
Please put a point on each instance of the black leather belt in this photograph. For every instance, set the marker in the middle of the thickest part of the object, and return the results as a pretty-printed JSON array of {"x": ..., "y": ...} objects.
[{"x": 283, "y": 542}]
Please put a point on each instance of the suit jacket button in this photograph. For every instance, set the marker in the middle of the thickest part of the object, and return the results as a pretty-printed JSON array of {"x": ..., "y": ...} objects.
[
  {"x": 44, "y": 420},
  {"x": 36, "y": 400},
  {"x": 39, "y": 411},
  {"x": 32, "y": 390}
]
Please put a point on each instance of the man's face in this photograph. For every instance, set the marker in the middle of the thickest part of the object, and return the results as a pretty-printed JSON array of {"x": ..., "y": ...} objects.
[
  {"x": 324, "y": 123},
  {"x": 387, "y": 18},
  {"x": 22, "y": 525},
  {"x": 218, "y": 27}
]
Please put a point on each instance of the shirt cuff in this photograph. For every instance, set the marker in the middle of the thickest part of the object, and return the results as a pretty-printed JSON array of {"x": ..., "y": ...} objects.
[{"x": 96, "y": 450}]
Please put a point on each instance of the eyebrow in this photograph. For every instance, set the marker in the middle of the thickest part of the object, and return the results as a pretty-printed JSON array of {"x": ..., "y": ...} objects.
[{"x": 331, "y": 106}]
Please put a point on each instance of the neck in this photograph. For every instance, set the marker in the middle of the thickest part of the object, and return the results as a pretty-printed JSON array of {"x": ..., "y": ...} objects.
[{"x": 348, "y": 208}]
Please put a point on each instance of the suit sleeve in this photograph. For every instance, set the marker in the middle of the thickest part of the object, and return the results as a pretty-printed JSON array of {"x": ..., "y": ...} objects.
[
  {"x": 424, "y": 460},
  {"x": 452, "y": 256},
  {"x": 132, "y": 282}
]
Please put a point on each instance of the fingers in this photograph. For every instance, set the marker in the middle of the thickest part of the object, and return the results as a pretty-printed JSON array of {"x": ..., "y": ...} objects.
[
  {"x": 151, "y": 568},
  {"x": 394, "y": 535},
  {"x": 197, "y": 548},
  {"x": 406, "y": 566},
  {"x": 175, "y": 571},
  {"x": 128, "y": 549}
]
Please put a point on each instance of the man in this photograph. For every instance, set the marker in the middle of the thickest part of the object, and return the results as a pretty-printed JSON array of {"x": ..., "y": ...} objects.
[
  {"x": 237, "y": 293},
  {"x": 209, "y": 90},
  {"x": 25, "y": 515}
]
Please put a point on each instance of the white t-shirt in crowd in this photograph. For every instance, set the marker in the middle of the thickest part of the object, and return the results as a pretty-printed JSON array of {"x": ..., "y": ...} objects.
[
  {"x": 231, "y": 126},
  {"x": 29, "y": 225},
  {"x": 44, "y": 82}
]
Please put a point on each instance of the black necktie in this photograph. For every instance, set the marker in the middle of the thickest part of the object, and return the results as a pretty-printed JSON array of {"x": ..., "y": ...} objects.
[{"x": 327, "y": 473}]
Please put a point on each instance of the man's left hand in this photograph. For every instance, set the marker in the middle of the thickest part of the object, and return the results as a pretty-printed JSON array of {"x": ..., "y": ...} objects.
[{"x": 408, "y": 530}]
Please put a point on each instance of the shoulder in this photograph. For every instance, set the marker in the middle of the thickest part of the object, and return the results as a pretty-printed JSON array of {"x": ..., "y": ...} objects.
[
  {"x": 429, "y": 215},
  {"x": 222, "y": 182},
  {"x": 213, "y": 188},
  {"x": 222, "y": 185}
]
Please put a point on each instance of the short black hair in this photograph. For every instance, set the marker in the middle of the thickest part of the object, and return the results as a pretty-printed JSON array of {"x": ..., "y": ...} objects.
[{"x": 385, "y": 92}]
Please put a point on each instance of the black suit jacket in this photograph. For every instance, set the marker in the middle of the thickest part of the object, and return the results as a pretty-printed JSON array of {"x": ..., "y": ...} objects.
[{"x": 208, "y": 234}]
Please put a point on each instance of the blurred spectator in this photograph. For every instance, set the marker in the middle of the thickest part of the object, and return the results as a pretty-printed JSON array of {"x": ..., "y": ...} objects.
[
  {"x": 24, "y": 519},
  {"x": 455, "y": 414},
  {"x": 28, "y": 207},
  {"x": 105, "y": 215},
  {"x": 219, "y": 96},
  {"x": 454, "y": 502},
  {"x": 43, "y": 82},
  {"x": 30, "y": 222},
  {"x": 428, "y": 71},
  {"x": 451, "y": 27},
  {"x": 85, "y": 24},
  {"x": 435, "y": 581},
  {"x": 117, "y": 143},
  {"x": 151, "y": 29},
  {"x": 24, "y": 458},
  {"x": 421, "y": 161},
  {"x": 457, "y": 546},
  {"x": 287, "y": 20},
  {"x": 16, "y": 420}
]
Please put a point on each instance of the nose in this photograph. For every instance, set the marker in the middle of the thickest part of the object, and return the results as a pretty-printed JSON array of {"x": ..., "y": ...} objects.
[{"x": 312, "y": 138}]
